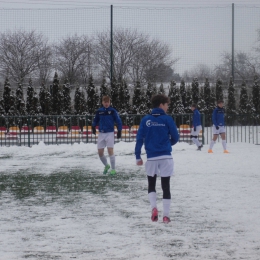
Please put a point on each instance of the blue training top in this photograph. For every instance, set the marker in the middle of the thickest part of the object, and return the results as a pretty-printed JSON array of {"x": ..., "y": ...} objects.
[
  {"x": 196, "y": 118},
  {"x": 105, "y": 118},
  {"x": 158, "y": 132},
  {"x": 218, "y": 116}
]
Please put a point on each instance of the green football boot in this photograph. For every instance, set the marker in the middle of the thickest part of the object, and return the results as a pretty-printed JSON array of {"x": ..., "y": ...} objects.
[
  {"x": 106, "y": 169},
  {"x": 113, "y": 172}
]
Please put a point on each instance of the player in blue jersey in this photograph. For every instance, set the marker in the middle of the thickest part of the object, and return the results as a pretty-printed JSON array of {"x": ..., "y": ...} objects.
[
  {"x": 196, "y": 126},
  {"x": 218, "y": 126},
  {"x": 158, "y": 133},
  {"x": 106, "y": 117}
]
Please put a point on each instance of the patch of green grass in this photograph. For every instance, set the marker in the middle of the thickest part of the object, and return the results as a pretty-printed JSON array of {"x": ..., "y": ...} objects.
[{"x": 25, "y": 185}]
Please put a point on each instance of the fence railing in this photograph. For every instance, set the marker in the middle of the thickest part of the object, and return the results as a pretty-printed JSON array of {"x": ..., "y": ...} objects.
[{"x": 69, "y": 129}]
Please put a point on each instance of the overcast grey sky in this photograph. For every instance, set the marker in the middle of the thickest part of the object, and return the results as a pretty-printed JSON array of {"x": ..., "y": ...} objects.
[
  {"x": 197, "y": 31},
  {"x": 80, "y": 3}
]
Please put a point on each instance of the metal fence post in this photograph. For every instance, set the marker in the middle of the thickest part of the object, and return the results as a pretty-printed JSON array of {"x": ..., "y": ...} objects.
[
  {"x": 233, "y": 41},
  {"x": 203, "y": 126},
  {"x": 111, "y": 45},
  {"x": 28, "y": 124}
]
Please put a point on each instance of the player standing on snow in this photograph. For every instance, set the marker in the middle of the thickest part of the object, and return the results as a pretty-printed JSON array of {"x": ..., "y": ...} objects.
[
  {"x": 196, "y": 124},
  {"x": 218, "y": 126},
  {"x": 105, "y": 117},
  {"x": 158, "y": 132}
]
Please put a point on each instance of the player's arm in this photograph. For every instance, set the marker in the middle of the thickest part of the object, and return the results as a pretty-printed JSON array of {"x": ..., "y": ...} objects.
[
  {"x": 95, "y": 122},
  {"x": 173, "y": 132},
  {"x": 96, "y": 119},
  {"x": 118, "y": 120},
  {"x": 139, "y": 144},
  {"x": 196, "y": 120},
  {"x": 197, "y": 117},
  {"x": 214, "y": 118}
]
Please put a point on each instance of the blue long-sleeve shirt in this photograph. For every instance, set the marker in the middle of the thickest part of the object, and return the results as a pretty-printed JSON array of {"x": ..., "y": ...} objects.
[
  {"x": 106, "y": 118},
  {"x": 196, "y": 118},
  {"x": 218, "y": 116},
  {"x": 158, "y": 133}
]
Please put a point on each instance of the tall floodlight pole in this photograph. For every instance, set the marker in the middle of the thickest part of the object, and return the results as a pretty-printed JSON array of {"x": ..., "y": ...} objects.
[
  {"x": 233, "y": 41},
  {"x": 111, "y": 45}
]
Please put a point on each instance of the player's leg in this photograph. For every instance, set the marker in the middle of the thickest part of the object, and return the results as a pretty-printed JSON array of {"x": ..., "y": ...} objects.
[
  {"x": 198, "y": 129},
  {"x": 166, "y": 167},
  {"x": 103, "y": 159},
  {"x": 195, "y": 137},
  {"x": 112, "y": 158},
  {"x": 165, "y": 182},
  {"x": 224, "y": 143},
  {"x": 151, "y": 168},
  {"x": 152, "y": 196},
  {"x": 110, "y": 149},
  {"x": 101, "y": 144},
  {"x": 215, "y": 137}
]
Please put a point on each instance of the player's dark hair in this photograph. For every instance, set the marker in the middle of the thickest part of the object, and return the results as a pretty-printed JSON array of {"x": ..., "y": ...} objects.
[
  {"x": 194, "y": 105},
  {"x": 220, "y": 101},
  {"x": 159, "y": 99},
  {"x": 106, "y": 98}
]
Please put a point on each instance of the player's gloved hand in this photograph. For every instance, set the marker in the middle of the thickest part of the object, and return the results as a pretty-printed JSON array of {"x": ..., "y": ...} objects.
[
  {"x": 194, "y": 128},
  {"x": 119, "y": 134},
  {"x": 139, "y": 162},
  {"x": 217, "y": 127},
  {"x": 94, "y": 130}
]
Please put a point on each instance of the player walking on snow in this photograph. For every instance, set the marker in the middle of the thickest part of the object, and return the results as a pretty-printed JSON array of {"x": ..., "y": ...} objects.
[
  {"x": 105, "y": 117},
  {"x": 158, "y": 133},
  {"x": 218, "y": 127},
  {"x": 196, "y": 124}
]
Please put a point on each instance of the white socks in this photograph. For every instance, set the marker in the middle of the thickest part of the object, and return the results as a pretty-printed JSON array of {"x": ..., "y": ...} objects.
[
  {"x": 166, "y": 207},
  {"x": 196, "y": 141},
  {"x": 113, "y": 161},
  {"x": 152, "y": 199},
  {"x": 103, "y": 160},
  {"x": 166, "y": 204},
  {"x": 211, "y": 144},
  {"x": 224, "y": 144}
]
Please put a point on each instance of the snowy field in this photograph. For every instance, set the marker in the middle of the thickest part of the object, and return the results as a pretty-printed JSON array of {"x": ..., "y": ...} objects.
[{"x": 56, "y": 204}]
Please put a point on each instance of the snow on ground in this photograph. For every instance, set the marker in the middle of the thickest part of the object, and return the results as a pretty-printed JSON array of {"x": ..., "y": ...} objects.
[{"x": 56, "y": 204}]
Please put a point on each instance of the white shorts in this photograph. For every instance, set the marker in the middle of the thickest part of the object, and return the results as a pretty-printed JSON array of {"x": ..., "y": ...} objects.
[
  {"x": 163, "y": 167},
  {"x": 197, "y": 132},
  {"x": 105, "y": 140},
  {"x": 221, "y": 130}
]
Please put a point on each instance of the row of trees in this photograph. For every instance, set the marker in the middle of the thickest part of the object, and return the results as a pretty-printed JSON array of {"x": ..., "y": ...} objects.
[
  {"x": 136, "y": 57},
  {"x": 57, "y": 100}
]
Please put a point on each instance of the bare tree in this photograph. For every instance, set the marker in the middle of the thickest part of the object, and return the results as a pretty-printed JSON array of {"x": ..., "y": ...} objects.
[
  {"x": 21, "y": 53},
  {"x": 75, "y": 58},
  {"x": 156, "y": 62},
  {"x": 257, "y": 51},
  {"x": 245, "y": 66},
  {"x": 125, "y": 46},
  {"x": 200, "y": 71},
  {"x": 135, "y": 55},
  {"x": 45, "y": 63}
]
